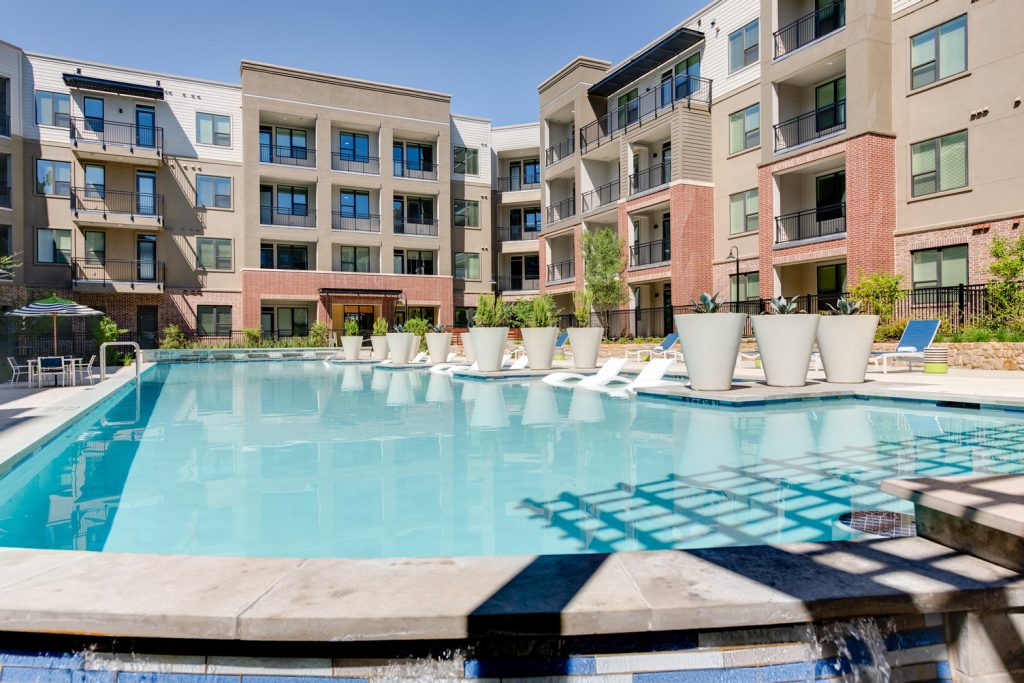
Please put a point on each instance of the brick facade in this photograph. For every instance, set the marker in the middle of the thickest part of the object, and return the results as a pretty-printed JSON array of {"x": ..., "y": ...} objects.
[
  {"x": 977, "y": 236},
  {"x": 693, "y": 239}
]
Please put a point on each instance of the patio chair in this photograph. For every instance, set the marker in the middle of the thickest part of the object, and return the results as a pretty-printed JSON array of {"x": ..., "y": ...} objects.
[
  {"x": 17, "y": 370},
  {"x": 651, "y": 376},
  {"x": 85, "y": 371},
  {"x": 918, "y": 336},
  {"x": 664, "y": 349},
  {"x": 607, "y": 372},
  {"x": 52, "y": 366}
]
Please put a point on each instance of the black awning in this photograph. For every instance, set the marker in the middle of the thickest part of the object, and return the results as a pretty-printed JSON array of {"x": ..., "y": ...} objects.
[
  {"x": 678, "y": 41},
  {"x": 364, "y": 292},
  {"x": 117, "y": 87}
]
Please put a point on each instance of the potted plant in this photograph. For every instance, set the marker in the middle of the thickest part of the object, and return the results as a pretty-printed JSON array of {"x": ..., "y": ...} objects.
[
  {"x": 785, "y": 339},
  {"x": 540, "y": 332},
  {"x": 490, "y": 332},
  {"x": 399, "y": 344},
  {"x": 352, "y": 341},
  {"x": 379, "y": 339},
  {"x": 844, "y": 341},
  {"x": 584, "y": 339},
  {"x": 711, "y": 343},
  {"x": 439, "y": 343},
  {"x": 417, "y": 327}
]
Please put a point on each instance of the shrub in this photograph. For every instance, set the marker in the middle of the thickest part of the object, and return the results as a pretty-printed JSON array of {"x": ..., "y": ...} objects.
[
  {"x": 1006, "y": 291},
  {"x": 351, "y": 328},
  {"x": 519, "y": 312},
  {"x": 541, "y": 312},
  {"x": 173, "y": 338},
  {"x": 319, "y": 332},
  {"x": 583, "y": 302},
  {"x": 417, "y": 326},
  {"x": 880, "y": 292},
  {"x": 491, "y": 311},
  {"x": 890, "y": 331},
  {"x": 107, "y": 331},
  {"x": 380, "y": 327},
  {"x": 252, "y": 337}
]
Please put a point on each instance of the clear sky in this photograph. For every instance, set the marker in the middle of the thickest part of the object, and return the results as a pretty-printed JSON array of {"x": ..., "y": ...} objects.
[{"x": 489, "y": 56}]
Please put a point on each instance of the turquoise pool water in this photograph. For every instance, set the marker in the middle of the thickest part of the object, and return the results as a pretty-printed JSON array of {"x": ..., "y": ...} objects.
[{"x": 297, "y": 459}]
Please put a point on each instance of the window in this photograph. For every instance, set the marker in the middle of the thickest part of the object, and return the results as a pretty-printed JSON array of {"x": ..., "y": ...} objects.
[
  {"x": 743, "y": 212},
  {"x": 354, "y": 147},
  {"x": 5, "y": 180},
  {"x": 93, "y": 111},
  {"x": 414, "y": 262},
  {"x": 291, "y": 143},
  {"x": 266, "y": 256},
  {"x": 942, "y": 267},
  {"x": 830, "y": 105},
  {"x": 213, "y": 129},
  {"x": 411, "y": 156},
  {"x": 464, "y": 316},
  {"x": 407, "y": 313},
  {"x": 292, "y": 257},
  {"x": 467, "y": 266},
  {"x": 95, "y": 248},
  {"x": 6, "y": 248},
  {"x": 531, "y": 218},
  {"x": 745, "y": 129},
  {"x": 292, "y": 201},
  {"x": 687, "y": 73},
  {"x": 466, "y": 161},
  {"x": 95, "y": 182},
  {"x": 53, "y": 246},
  {"x": 628, "y": 108},
  {"x": 355, "y": 259},
  {"x": 938, "y": 53},
  {"x": 213, "y": 191},
  {"x": 467, "y": 213},
  {"x": 53, "y": 177},
  {"x": 743, "y": 46},
  {"x": 214, "y": 321},
  {"x": 939, "y": 164},
  {"x": 746, "y": 288},
  {"x": 355, "y": 204},
  {"x": 292, "y": 322},
  {"x": 531, "y": 172},
  {"x": 213, "y": 253},
  {"x": 53, "y": 108}
]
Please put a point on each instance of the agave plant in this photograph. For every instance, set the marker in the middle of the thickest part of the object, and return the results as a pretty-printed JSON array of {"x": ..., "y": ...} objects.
[
  {"x": 398, "y": 328},
  {"x": 844, "y": 307},
  {"x": 780, "y": 305},
  {"x": 707, "y": 303},
  {"x": 439, "y": 328}
]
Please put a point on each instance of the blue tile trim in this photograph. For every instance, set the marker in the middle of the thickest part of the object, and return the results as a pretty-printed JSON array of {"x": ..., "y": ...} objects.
[
  {"x": 513, "y": 668},
  {"x": 93, "y": 676},
  {"x": 923, "y": 637},
  {"x": 148, "y": 677},
  {"x": 41, "y": 659},
  {"x": 739, "y": 675},
  {"x": 254, "y": 678},
  {"x": 943, "y": 671},
  {"x": 19, "y": 674}
]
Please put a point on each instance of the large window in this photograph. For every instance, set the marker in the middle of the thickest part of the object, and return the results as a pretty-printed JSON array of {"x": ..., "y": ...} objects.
[
  {"x": 291, "y": 143},
  {"x": 355, "y": 204},
  {"x": 95, "y": 182},
  {"x": 531, "y": 172},
  {"x": 745, "y": 129},
  {"x": 743, "y": 212},
  {"x": 214, "y": 321},
  {"x": 355, "y": 259},
  {"x": 284, "y": 256},
  {"x": 747, "y": 287},
  {"x": 53, "y": 108},
  {"x": 412, "y": 156},
  {"x": 743, "y": 46},
  {"x": 95, "y": 248},
  {"x": 531, "y": 219},
  {"x": 942, "y": 267},
  {"x": 939, "y": 164},
  {"x": 53, "y": 177},
  {"x": 467, "y": 266},
  {"x": 292, "y": 322},
  {"x": 414, "y": 262},
  {"x": 213, "y": 191},
  {"x": 466, "y": 161},
  {"x": 213, "y": 253},
  {"x": 292, "y": 201},
  {"x": 354, "y": 147},
  {"x": 467, "y": 213},
  {"x": 213, "y": 129},
  {"x": 53, "y": 246},
  {"x": 938, "y": 53}
]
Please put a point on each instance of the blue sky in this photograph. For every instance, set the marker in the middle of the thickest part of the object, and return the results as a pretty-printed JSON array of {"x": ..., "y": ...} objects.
[{"x": 490, "y": 56}]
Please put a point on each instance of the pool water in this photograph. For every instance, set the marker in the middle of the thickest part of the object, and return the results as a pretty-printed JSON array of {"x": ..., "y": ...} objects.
[{"x": 301, "y": 459}]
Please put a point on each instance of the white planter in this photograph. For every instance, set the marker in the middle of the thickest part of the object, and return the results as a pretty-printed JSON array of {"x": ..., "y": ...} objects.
[
  {"x": 467, "y": 347},
  {"x": 414, "y": 347},
  {"x": 351, "y": 346},
  {"x": 540, "y": 346},
  {"x": 844, "y": 342},
  {"x": 380, "y": 347},
  {"x": 710, "y": 343},
  {"x": 352, "y": 378},
  {"x": 489, "y": 347},
  {"x": 785, "y": 343},
  {"x": 438, "y": 346},
  {"x": 585, "y": 343},
  {"x": 399, "y": 344}
]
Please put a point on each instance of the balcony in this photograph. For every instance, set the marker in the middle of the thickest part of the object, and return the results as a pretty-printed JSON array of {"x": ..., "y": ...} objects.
[
  {"x": 116, "y": 208},
  {"x": 358, "y": 222},
  {"x": 810, "y": 27},
  {"x": 563, "y": 271},
  {"x": 599, "y": 196},
  {"x": 102, "y": 140},
  {"x": 824, "y": 221},
  {"x": 650, "y": 178},
  {"x": 419, "y": 227},
  {"x": 288, "y": 155},
  {"x": 518, "y": 283},
  {"x": 810, "y": 126},
  {"x": 560, "y": 150},
  {"x": 5, "y": 125},
  {"x": 417, "y": 170},
  {"x": 671, "y": 93},
  {"x": 288, "y": 216},
  {"x": 517, "y": 184},
  {"x": 562, "y": 210},
  {"x": 350, "y": 163},
  {"x": 517, "y": 233},
  {"x": 116, "y": 275},
  {"x": 649, "y": 254}
]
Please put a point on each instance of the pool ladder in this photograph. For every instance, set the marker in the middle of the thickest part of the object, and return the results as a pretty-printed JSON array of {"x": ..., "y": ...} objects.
[{"x": 103, "y": 358}]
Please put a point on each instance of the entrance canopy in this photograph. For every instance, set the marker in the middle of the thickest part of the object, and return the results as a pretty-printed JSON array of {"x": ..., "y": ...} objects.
[{"x": 355, "y": 291}]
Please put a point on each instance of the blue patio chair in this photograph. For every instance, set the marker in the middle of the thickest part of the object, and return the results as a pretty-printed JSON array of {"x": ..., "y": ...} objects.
[
  {"x": 918, "y": 336},
  {"x": 664, "y": 349}
]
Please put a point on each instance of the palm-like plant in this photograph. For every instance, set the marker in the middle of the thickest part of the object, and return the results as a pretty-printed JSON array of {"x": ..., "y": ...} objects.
[
  {"x": 780, "y": 305},
  {"x": 707, "y": 303},
  {"x": 845, "y": 307}
]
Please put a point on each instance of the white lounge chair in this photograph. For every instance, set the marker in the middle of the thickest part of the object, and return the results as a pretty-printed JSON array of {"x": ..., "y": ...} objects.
[
  {"x": 650, "y": 377},
  {"x": 507, "y": 363},
  {"x": 607, "y": 372}
]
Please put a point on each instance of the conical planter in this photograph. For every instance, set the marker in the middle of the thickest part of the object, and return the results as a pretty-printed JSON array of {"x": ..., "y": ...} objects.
[
  {"x": 352, "y": 379},
  {"x": 785, "y": 343},
  {"x": 489, "y": 347},
  {"x": 467, "y": 347},
  {"x": 585, "y": 343},
  {"x": 540, "y": 346},
  {"x": 711, "y": 344},
  {"x": 438, "y": 346},
  {"x": 399, "y": 344},
  {"x": 844, "y": 342},
  {"x": 414, "y": 347},
  {"x": 351, "y": 346},
  {"x": 380, "y": 347}
]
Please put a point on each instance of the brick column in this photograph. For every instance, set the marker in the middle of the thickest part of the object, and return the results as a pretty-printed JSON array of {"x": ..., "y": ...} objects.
[
  {"x": 766, "y": 229},
  {"x": 692, "y": 210},
  {"x": 870, "y": 205}
]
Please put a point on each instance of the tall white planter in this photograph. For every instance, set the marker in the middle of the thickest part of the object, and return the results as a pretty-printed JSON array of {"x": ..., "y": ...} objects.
[
  {"x": 414, "y": 347},
  {"x": 785, "y": 343},
  {"x": 351, "y": 346},
  {"x": 399, "y": 344},
  {"x": 585, "y": 343},
  {"x": 380, "y": 347},
  {"x": 540, "y": 346},
  {"x": 467, "y": 347},
  {"x": 844, "y": 342},
  {"x": 438, "y": 346},
  {"x": 489, "y": 347},
  {"x": 710, "y": 343}
]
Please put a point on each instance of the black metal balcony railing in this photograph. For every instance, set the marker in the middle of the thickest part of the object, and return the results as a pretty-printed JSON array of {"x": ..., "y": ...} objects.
[
  {"x": 107, "y": 271},
  {"x": 5, "y": 197},
  {"x": 360, "y": 222},
  {"x": 422, "y": 227},
  {"x": 288, "y": 155},
  {"x": 820, "y": 222},
  {"x": 560, "y": 150},
  {"x": 599, "y": 196},
  {"x": 562, "y": 210},
  {"x": 810, "y": 27},
  {"x": 679, "y": 91},
  {"x": 518, "y": 283},
  {"x": 648, "y": 253},
  {"x": 288, "y": 216},
  {"x": 650, "y": 178},
  {"x": 517, "y": 183},
  {"x": 810, "y": 126},
  {"x": 353, "y": 163},
  {"x": 517, "y": 233},
  {"x": 105, "y": 201},
  {"x": 5, "y": 125},
  {"x": 563, "y": 270},
  {"x": 417, "y": 170},
  {"x": 117, "y": 134}
]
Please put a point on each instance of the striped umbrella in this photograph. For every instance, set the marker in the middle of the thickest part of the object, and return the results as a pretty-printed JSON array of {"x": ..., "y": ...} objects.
[{"x": 54, "y": 306}]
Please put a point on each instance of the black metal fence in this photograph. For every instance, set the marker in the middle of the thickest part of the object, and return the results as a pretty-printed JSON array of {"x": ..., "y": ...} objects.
[
  {"x": 418, "y": 226},
  {"x": 810, "y": 126},
  {"x": 288, "y": 155},
  {"x": 289, "y": 216},
  {"x": 117, "y": 270},
  {"x": 101, "y": 132},
  {"x": 649, "y": 178},
  {"x": 562, "y": 210},
  {"x": 563, "y": 270},
  {"x": 517, "y": 183},
  {"x": 820, "y": 222},
  {"x": 599, "y": 196},
  {"x": 516, "y": 233},
  {"x": 517, "y": 283},
  {"x": 355, "y": 163},
  {"x": 418, "y": 170},
  {"x": 360, "y": 222},
  {"x": 648, "y": 253},
  {"x": 810, "y": 27},
  {"x": 559, "y": 150},
  {"x": 101, "y": 200}
]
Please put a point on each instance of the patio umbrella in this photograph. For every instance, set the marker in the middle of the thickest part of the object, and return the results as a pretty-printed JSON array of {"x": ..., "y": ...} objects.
[{"x": 54, "y": 306}]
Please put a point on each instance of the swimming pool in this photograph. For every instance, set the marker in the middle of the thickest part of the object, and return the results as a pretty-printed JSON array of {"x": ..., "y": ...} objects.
[{"x": 298, "y": 459}]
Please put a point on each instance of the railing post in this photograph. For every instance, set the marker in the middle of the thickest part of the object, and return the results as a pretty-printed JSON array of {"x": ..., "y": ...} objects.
[{"x": 960, "y": 303}]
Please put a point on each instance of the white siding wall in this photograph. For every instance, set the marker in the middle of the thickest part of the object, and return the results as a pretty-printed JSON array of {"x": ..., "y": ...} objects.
[
  {"x": 473, "y": 133},
  {"x": 900, "y": 5},
  {"x": 176, "y": 114},
  {"x": 520, "y": 136},
  {"x": 10, "y": 68}
]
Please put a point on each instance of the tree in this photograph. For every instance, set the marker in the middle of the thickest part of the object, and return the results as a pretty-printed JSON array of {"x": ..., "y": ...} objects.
[
  {"x": 604, "y": 264},
  {"x": 879, "y": 293},
  {"x": 1006, "y": 292}
]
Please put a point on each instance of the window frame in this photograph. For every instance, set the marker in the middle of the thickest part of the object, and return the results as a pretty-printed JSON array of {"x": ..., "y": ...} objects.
[
  {"x": 742, "y": 33},
  {"x": 938, "y": 265},
  {"x": 213, "y": 189},
  {"x": 470, "y": 158},
  {"x": 466, "y": 204},
  {"x": 53, "y": 163},
  {"x": 742, "y": 114},
  {"x": 938, "y": 165},
  {"x": 56, "y": 250},
  {"x": 356, "y": 251},
  {"x": 745, "y": 198},
  {"x": 734, "y": 282},
  {"x": 466, "y": 257},
  {"x": 216, "y": 243},
  {"x": 213, "y": 129},
  {"x": 102, "y": 259},
  {"x": 936, "y": 32},
  {"x": 53, "y": 95},
  {"x": 218, "y": 311}
]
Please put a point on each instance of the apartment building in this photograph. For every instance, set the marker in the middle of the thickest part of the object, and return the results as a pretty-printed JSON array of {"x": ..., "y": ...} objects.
[{"x": 518, "y": 216}]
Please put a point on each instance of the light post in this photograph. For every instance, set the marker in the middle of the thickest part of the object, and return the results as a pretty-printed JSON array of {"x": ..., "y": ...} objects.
[{"x": 734, "y": 253}]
